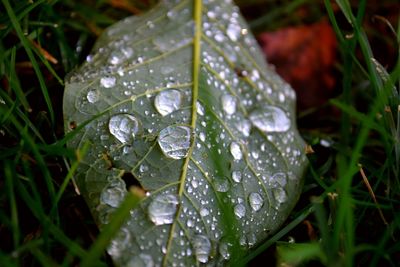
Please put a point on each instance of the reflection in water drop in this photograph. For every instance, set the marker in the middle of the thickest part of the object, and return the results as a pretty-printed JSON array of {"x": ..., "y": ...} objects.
[
  {"x": 124, "y": 127},
  {"x": 228, "y": 104},
  {"x": 270, "y": 119},
  {"x": 168, "y": 101},
  {"x": 174, "y": 141},
  {"x": 256, "y": 201},
  {"x": 236, "y": 151},
  {"x": 162, "y": 209},
  {"x": 202, "y": 248}
]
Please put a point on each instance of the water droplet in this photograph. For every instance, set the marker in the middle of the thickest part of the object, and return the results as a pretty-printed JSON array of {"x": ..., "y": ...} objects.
[
  {"x": 162, "y": 209},
  {"x": 239, "y": 210},
  {"x": 108, "y": 82},
  {"x": 244, "y": 127},
  {"x": 202, "y": 136},
  {"x": 224, "y": 249},
  {"x": 270, "y": 119},
  {"x": 228, "y": 104},
  {"x": 124, "y": 127},
  {"x": 233, "y": 31},
  {"x": 237, "y": 176},
  {"x": 221, "y": 184},
  {"x": 200, "y": 109},
  {"x": 236, "y": 151},
  {"x": 279, "y": 195},
  {"x": 114, "y": 193},
  {"x": 143, "y": 168},
  {"x": 256, "y": 201},
  {"x": 93, "y": 96},
  {"x": 204, "y": 212},
  {"x": 174, "y": 141},
  {"x": 202, "y": 248},
  {"x": 141, "y": 260},
  {"x": 278, "y": 180},
  {"x": 168, "y": 101}
]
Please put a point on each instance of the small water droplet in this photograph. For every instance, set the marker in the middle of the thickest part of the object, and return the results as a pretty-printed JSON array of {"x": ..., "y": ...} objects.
[
  {"x": 202, "y": 136},
  {"x": 279, "y": 195},
  {"x": 200, "y": 109},
  {"x": 114, "y": 193},
  {"x": 202, "y": 248},
  {"x": 168, "y": 101},
  {"x": 270, "y": 119},
  {"x": 228, "y": 104},
  {"x": 174, "y": 141},
  {"x": 279, "y": 179},
  {"x": 239, "y": 210},
  {"x": 233, "y": 31},
  {"x": 162, "y": 209},
  {"x": 93, "y": 96},
  {"x": 237, "y": 176},
  {"x": 204, "y": 212},
  {"x": 124, "y": 127},
  {"x": 141, "y": 260},
  {"x": 143, "y": 168},
  {"x": 221, "y": 184},
  {"x": 224, "y": 249},
  {"x": 108, "y": 82},
  {"x": 236, "y": 151},
  {"x": 244, "y": 126},
  {"x": 256, "y": 201}
]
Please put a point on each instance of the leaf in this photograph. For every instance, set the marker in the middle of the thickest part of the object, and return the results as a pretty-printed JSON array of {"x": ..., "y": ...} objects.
[{"x": 180, "y": 102}]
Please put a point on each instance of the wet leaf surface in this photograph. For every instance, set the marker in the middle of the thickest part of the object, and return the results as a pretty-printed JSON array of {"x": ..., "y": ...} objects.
[{"x": 181, "y": 99}]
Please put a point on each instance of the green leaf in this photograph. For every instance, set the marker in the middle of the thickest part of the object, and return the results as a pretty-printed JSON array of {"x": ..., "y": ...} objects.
[{"x": 180, "y": 102}]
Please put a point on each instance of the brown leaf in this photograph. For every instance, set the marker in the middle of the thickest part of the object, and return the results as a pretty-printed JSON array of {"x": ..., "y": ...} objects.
[{"x": 304, "y": 57}]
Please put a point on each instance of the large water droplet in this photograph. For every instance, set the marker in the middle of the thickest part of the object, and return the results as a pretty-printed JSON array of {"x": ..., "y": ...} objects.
[
  {"x": 256, "y": 201},
  {"x": 108, "y": 82},
  {"x": 236, "y": 151},
  {"x": 168, "y": 101},
  {"x": 124, "y": 127},
  {"x": 200, "y": 108},
  {"x": 174, "y": 141},
  {"x": 228, "y": 104},
  {"x": 270, "y": 119},
  {"x": 202, "y": 248},
  {"x": 141, "y": 260},
  {"x": 239, "y": 210},
  {"x": 162, "y": 209},
  {"x": 224, "y": 249},
  {"x": 221, "y": 184},
  {"x": 114, "y": 193},
  {"x": 93, "y": 96},
  {"x": 237, "y": 176}
]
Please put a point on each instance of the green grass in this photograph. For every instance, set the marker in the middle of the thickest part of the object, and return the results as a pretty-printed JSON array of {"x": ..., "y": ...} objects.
[{"x": 44, "y": 222}]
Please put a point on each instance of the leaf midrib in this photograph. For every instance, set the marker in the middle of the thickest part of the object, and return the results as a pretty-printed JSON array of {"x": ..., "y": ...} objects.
[{"x": 197, "y": 16}]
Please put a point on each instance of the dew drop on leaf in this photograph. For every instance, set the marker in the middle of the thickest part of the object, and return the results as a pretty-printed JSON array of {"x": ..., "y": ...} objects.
[
  {"x": 237, "y": 176},
  {"x": 93, "y": 96},
  {"x": 270, "y": 119},
  {"x": 236, "y": 151},
  {"x": 174, "y": 141},
  {"x": 244, "y": 126},
  {"x": 162, "y": 209},
  {"x": 168, "y": 101},
  {"x": 200, "y": 108},
  {"x": 278, "y": 180},
  {"x": 221, "y": 184},
  {"x": 239, "y": 210},
  {"x": 224, "y": 249},
  {"x": 280, "y": 195},
  {"x": 114, "y": 193},
  {"x": 202, "y": 248},
  {"x": 233, "y": 31},
  {"x": 256, "y": 201},
  {"x": 124, "y": 127},
  {"x": 108, "y": 82},
  {"x": 228, "y": 104}
]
